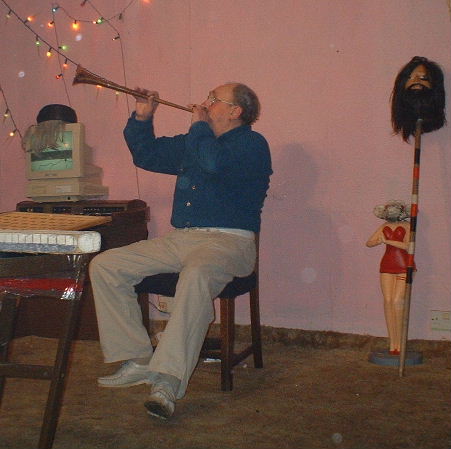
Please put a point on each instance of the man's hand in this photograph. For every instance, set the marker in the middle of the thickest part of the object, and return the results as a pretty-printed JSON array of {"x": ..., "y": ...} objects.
[
  {"x": 146, "y": 108},
  {"x": 200, "y": 113}
]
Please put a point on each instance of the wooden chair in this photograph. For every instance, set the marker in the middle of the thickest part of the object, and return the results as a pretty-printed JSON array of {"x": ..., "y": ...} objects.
[{"x": 224, "y": 348}]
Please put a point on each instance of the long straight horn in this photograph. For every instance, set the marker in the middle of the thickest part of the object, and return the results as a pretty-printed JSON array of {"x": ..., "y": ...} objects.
[{"x": 83, "y": 76}]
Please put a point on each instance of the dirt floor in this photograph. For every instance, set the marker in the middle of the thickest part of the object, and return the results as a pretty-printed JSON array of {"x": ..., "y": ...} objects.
[{"x": 307, "y": 396}]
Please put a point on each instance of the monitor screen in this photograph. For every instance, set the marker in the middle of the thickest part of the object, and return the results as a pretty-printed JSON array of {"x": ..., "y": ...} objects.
[
  {"x": 54, "y": 158},
  {"x": 65, "y": 160}
]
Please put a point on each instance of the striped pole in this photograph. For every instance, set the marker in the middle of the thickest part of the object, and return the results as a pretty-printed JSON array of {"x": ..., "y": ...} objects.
[{"x": 411, "y": 248}]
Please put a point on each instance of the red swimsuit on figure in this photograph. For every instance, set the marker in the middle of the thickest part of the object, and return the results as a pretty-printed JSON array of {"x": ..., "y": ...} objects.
[{"x": 395, "y": 259}]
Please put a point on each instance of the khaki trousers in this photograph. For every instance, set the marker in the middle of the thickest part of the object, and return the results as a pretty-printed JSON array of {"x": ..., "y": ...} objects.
[{"x": 206, "y": 260}]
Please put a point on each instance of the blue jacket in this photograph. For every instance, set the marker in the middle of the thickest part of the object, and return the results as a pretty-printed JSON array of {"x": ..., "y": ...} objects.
[{"x": 221, "y": 181}]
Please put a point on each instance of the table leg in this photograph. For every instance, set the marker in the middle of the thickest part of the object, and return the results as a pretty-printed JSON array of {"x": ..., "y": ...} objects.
[
  {"x": 9, "y": 305},
  {"x": 57, "y": 384}
]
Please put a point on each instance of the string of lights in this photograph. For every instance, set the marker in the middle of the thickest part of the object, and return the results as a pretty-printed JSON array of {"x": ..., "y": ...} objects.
[
  {"x": 8, "y": 115},
  {"x": 100, "y": 19},
  {"x": 38, "y": 38},
  {"x": 61, "y": 49},
  {"x": 75, "y": 22}
]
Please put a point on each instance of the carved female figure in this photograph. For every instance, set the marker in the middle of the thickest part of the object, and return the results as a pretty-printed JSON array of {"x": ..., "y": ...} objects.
[{"x": 394, "y": 234}]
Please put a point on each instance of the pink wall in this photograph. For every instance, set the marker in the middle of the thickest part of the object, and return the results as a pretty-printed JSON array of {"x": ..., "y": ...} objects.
[{"x": 324, "y": 71}]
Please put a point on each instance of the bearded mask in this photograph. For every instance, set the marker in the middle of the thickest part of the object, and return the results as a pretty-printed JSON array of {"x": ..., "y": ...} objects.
[{"x": 418, "y": 93}]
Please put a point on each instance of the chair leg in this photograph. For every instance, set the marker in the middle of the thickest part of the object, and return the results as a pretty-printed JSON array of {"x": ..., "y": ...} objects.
[
  {"x": 256, "y": 327},
  {"x": 143, "y": 300},
  {"x": 8, "y": 312},
  {"x": 227, "y": 342}
]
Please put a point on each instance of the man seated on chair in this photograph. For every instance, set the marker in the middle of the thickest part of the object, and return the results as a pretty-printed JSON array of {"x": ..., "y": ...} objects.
[{"x": 223, "y": 169}]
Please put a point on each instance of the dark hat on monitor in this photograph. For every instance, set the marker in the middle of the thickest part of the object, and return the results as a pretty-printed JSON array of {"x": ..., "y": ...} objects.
[{"x": 57, "y": 112}]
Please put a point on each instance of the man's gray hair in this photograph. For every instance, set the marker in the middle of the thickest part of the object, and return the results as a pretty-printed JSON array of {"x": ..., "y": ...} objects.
[{"x": 247, "y": 99}]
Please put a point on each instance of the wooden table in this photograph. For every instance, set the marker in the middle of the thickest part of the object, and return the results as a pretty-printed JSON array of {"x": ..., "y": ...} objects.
[{"x": 42, "y": 266}]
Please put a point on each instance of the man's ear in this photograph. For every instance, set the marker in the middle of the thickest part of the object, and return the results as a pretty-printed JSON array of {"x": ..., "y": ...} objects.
[{"x": 236, "y": 112}]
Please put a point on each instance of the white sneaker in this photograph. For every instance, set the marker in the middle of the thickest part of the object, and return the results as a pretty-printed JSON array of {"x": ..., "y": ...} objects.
[
  {"x": 161, "y": 401},
  {"x": 129, "y": 374}
]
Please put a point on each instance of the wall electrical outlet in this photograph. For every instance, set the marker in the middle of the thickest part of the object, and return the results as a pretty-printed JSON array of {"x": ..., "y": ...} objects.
[
  {"x": 440, "y": 320},
  {"x": 164, "y": 304}
]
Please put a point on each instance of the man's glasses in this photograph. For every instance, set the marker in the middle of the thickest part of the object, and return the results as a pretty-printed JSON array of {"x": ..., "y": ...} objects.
[{"x": 212, "y": 99}]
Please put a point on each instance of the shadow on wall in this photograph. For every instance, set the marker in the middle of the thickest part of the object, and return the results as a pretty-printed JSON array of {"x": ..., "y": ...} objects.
[{"x": 302, "y": 251}]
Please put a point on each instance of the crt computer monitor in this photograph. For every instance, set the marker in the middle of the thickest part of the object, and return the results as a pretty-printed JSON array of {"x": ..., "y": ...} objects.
[{"x": 65, "y": 161}]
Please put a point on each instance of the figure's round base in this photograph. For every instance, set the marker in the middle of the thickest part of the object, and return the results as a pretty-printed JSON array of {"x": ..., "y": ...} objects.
[{"x": 384, "y": 358}]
